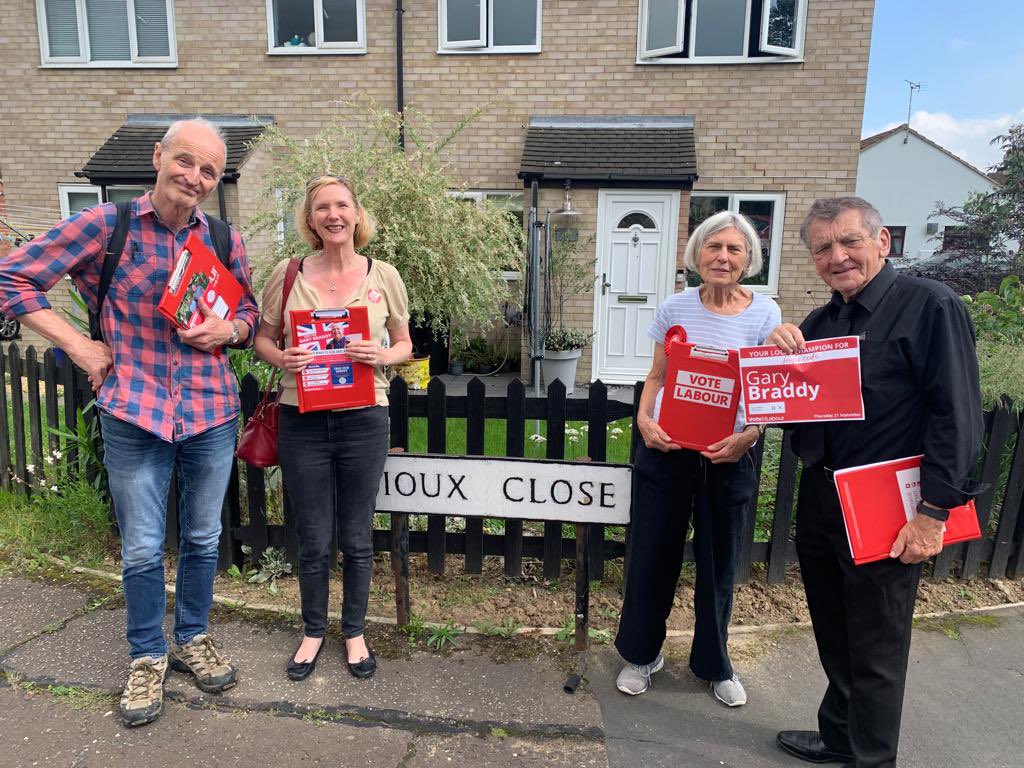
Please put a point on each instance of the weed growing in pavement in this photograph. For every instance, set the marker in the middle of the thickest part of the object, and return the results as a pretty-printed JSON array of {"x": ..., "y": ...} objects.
[
  {"x": 415, "y": 630},
  {"x": 507, "y": 629},
  {"x": 81, "y": 698},
  {"x": 439, "y": 637},
  {"x": 272, "y": 566},
  {"x": 950, "y": 626}
]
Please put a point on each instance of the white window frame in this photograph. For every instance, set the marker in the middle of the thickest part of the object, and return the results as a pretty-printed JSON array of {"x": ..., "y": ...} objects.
[
  {"x": 82, "y": 60},
  {"x": 486, "y": 23},
  {"x": 798, "y": 31},
  {"x": 357, "y": 46},
  {"x": 64, "y": 190},
  {"x": 771, "y": 288},
  {"x": 689, "y": 7}
]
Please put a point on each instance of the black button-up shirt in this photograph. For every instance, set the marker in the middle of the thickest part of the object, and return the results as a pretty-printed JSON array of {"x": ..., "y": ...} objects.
[{"x": 919, "y": 378}]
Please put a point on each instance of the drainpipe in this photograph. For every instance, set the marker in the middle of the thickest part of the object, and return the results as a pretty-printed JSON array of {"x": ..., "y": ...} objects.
[
  {"x": 533, "y": 290},
  {"x": 399, "y": 74},
  {"x": 222, "y": 203}
]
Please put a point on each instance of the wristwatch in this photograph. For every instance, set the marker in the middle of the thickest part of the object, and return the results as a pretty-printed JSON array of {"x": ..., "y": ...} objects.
[
  {"x": 235, "y": 334},
  {"x": 942, "y": 515}
]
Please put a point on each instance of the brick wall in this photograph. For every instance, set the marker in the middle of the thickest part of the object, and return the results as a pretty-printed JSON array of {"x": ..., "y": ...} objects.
[{"x": 787, "y": 127}]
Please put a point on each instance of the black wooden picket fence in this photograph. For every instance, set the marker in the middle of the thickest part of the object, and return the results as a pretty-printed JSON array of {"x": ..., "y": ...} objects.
[{"x": 45, "y": 393}]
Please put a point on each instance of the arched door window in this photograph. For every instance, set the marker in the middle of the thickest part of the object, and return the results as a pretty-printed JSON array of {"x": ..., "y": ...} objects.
[{"x": 636, "y": 219}]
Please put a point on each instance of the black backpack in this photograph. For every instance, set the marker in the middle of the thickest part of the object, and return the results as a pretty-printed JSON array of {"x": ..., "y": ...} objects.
[{"x": 220, "y": 233}]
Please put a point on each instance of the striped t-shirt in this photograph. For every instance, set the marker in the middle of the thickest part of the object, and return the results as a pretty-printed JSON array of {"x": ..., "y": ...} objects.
[{"x": 747, "y": 329}]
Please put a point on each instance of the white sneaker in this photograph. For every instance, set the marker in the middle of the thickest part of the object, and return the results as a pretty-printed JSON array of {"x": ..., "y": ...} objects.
[
  {"x": 730, "y": 692},
  {"x": 634, "y": 679}
]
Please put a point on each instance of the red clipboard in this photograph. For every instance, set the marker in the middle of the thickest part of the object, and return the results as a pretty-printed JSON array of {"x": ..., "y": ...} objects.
[
  {"x": 879, "y": 499},
  {"x": 701, "y": 394},
  {"x": 333, "y": 380},
  {"x": 198, "y": 273}
]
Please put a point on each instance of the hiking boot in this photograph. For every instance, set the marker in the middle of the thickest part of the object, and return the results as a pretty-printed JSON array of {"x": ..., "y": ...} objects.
[
  {"x": 634, "y": 679},
  {"x": 730, "y": 692},
  {"x": 143, "y": 696},
  {"x": 200, "y": 658}
]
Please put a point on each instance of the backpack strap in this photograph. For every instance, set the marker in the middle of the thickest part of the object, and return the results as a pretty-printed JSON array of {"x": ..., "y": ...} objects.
[
  {"x": 220, "y": 234},
  {"x": 111, "y": 258}
]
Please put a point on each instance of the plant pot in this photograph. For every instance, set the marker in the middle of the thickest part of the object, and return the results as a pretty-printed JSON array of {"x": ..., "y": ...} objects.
[
  {"x": 486, "y": 369},
  {"x": 416, "y": 372},
  {"x": 560, "y": 365},
  {"x": 455, "y": 367}
]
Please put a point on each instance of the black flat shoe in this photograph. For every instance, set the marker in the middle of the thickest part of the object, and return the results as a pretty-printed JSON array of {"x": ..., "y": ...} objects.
[
  {"x": 300, "y": 670},
  {"x": 365, "y": 668},
  {"x": 807, "y": 745}
]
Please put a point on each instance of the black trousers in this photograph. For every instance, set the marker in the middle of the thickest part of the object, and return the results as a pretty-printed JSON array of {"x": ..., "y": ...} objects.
[
  {"x": 672, "y": 488},
  {"x": 862, "y": 618},
  {"x": 331, "y": 464}
]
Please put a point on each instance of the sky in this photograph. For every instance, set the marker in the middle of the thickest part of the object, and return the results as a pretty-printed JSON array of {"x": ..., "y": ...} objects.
[{"x": 968, "y": 56}]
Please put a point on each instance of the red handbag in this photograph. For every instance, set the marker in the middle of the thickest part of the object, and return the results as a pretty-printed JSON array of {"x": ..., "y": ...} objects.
[{"x": 257, "y": 445}]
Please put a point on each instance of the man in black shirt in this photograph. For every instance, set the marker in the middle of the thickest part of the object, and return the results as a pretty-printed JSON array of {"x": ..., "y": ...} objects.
[{"x": 919, "y": 379}]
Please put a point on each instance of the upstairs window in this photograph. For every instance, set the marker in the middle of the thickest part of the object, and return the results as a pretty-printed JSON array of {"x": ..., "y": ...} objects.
[
  {"x": 316, "y": 26},
  {"x": 107, "y": 33},
  {"x": 488, "y": 26},
  {"x": 720, "y": 31}
]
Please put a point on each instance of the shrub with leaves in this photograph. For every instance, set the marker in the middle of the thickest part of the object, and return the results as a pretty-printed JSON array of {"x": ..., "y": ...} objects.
[{"x": 450, "y": 254}]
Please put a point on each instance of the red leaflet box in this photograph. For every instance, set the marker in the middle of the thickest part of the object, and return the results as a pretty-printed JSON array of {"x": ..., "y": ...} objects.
[
  {"x": 333, "y": 380},
  {"x": 199, "y": 274},
  {"x": 702, "y": 392},
  {"x": 879, "y": 499}
]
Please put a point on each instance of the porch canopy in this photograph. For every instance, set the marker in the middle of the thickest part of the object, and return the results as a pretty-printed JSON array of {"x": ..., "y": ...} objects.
[
  {"x": 126, "y": 157},
  {"x": 652, "y": 150}
]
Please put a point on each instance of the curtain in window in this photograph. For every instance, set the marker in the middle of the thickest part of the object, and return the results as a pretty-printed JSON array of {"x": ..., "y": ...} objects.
[
  {"x": 62, "y": 28},
  {"x": 151, "y": 28},
  {"x": 108, "y": 30}
]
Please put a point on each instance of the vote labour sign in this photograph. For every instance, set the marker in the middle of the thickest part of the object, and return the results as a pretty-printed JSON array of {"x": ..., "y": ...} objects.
[
  {"x": 699, "y": 405},
  {"x": 820, "y": 384}
]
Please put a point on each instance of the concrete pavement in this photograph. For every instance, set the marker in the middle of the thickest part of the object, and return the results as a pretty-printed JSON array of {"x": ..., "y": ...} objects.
[{"x": 487, "y": 703}]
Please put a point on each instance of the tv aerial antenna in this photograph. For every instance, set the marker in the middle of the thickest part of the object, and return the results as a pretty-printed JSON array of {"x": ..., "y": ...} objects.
[{"x": 910, "y": 102}]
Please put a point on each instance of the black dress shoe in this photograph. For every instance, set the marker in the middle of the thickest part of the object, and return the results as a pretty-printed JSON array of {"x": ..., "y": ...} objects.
[
  {"x": 364, "y": 668},
  {"x": 807, "y": 745},
  {"x": 300, "y": 670}
]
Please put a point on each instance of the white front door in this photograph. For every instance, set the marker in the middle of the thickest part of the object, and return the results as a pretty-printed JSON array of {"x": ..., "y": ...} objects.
[{"x": 636, "y": 257}]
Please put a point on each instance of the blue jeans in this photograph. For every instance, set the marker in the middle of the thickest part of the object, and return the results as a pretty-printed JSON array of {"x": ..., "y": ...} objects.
[{"x": 139, "y": 466}]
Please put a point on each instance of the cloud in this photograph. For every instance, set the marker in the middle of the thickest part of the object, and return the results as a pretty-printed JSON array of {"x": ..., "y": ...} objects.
[
  {"x": 965, "y": 137},
  {"x": 959, "y": 44}
]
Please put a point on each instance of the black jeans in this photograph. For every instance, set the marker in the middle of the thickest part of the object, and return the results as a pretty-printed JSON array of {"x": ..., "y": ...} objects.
[
  {"x": 331, "y": 464},
  {"x": 670, "y": 489},
  {"x": 862, "y": 617}
]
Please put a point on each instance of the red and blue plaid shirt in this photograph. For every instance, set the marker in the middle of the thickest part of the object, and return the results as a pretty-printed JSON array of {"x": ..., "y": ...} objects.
[{"x": 157, "y": 382}]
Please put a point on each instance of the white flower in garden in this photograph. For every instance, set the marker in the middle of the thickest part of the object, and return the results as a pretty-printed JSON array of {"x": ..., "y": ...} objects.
[
  {"x": 57, "y": 454},
  {"x": 573, "y": 438},
  {"x": 616, "y": 431},
  {"x": 53, "y": 488},
  {"x": 535, "y": 438},
  {"x": 49, "y": 460},
  {"x": 30, "y": 468},
  {"x": 584, "y": 427},
  {"x": 572, "y": 432}
]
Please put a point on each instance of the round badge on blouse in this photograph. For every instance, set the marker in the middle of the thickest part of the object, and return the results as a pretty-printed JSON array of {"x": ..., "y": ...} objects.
[{"x": 374, "y": 296}]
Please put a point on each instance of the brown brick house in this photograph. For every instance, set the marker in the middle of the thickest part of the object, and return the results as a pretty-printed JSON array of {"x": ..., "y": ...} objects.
[{"x": 770, "y": 92}]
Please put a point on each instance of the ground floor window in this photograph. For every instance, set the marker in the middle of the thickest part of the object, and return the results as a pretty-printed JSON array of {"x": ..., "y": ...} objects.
[
  {"x": 766, "y": 213},
  {"x": 77, "y": 197}
]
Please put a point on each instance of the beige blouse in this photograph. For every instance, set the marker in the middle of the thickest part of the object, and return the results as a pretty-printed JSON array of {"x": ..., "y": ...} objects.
[{"x": 382, "y": 292}]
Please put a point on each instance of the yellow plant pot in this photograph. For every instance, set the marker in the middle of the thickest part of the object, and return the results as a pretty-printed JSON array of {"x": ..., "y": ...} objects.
[{"x": 416, "y": 372}]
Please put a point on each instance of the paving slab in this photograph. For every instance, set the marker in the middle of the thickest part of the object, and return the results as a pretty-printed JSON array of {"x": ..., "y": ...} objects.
[
  {"x": 29, "y": 607},
  {"x": 964, "y": 703},
  {"x": 466, "y": 686},
  {"x": 500, "y": 752},
  {"x": 41, "y": 730}
]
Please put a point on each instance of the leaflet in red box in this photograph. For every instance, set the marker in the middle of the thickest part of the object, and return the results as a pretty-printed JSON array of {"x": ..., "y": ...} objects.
[
  {"x": 820, "y": 384},
  {"x": 879, "y": 499},
  {"x": 701, "y": 394},
  {"x": 198, "y": 273},
  {"x": 333, "y": 380}
]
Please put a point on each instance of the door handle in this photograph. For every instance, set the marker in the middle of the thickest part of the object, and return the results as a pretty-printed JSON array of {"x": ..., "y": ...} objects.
[{"x": 605, "y": 285}]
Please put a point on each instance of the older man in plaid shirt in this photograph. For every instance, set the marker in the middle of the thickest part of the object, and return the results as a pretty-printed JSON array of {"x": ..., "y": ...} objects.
[{"x": 166, "y": 401}]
